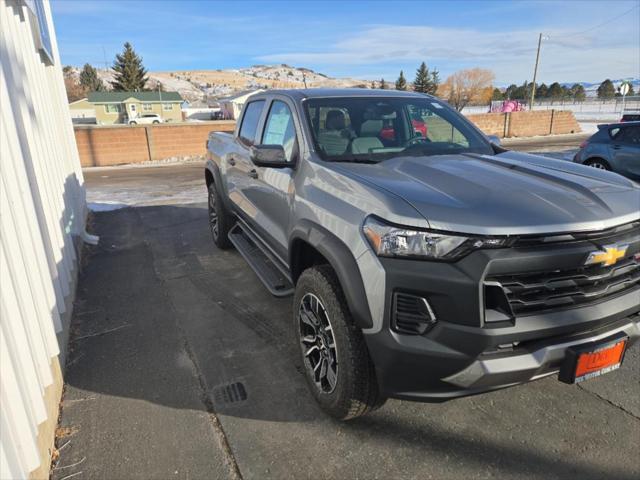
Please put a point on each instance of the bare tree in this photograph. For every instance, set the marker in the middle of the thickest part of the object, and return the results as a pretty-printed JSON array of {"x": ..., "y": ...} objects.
[
  {"x": 467, "y": 86},
  {"x": 75, "y": 91}
]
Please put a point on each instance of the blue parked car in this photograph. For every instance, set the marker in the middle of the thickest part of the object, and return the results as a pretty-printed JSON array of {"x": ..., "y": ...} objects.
[{"x": 614, "y": 147}]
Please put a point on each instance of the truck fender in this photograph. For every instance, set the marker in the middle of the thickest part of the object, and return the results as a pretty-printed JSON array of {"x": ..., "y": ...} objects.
[
  {"x": 343, "y": 263},
  {"x": 212, "y": 172}
]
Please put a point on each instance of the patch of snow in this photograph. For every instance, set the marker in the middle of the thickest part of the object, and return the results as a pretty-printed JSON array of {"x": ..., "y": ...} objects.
[
  {"x": 105, "y": 206},
  {"x": 589, "y": 127}
]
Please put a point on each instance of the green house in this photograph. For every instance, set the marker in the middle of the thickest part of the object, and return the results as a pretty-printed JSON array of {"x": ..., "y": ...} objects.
[{"x": 121, "y": 107}]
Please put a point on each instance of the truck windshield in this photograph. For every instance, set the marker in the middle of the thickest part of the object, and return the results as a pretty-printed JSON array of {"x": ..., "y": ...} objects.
[{"x": 372, "y": 129}]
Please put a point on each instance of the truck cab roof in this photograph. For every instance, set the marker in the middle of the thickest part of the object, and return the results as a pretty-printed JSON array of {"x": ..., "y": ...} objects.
[{"x": 304, "y": 93}]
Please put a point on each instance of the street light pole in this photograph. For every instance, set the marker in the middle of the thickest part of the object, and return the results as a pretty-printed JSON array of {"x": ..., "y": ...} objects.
[{"x": 535, "y": 72}]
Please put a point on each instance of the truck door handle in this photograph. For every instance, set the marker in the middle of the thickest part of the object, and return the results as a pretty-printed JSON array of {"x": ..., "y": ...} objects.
[
  {"x": 232, "y": 161},
  {"x": 617, "y": 147},
  {"x": 253, "y": 173}
]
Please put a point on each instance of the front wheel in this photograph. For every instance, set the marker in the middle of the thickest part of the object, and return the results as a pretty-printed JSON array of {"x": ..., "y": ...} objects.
[
  {"x": 133, "y": 123},
  {"x": 336, "y": 361},
  {"x": 155, "y": 122},
  {"x": 220, "y": 220}
]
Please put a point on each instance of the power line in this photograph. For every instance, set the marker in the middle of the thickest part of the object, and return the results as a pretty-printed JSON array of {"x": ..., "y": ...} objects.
[{"x": 599, "y": 25}]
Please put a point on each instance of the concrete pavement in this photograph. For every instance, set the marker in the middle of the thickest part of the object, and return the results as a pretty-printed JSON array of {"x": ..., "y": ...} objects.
[{"x": 183, "y": 366}]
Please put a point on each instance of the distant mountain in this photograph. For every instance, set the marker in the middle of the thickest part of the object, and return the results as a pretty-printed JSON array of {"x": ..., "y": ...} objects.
[{"x": 201, "y": 85}]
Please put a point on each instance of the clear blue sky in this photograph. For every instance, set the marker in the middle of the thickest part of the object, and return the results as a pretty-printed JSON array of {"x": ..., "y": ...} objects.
[{"x": 363, "y": 39}]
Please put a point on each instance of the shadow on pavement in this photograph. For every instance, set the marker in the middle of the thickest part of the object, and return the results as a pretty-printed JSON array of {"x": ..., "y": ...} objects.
[{"x": 164, "y": 319}]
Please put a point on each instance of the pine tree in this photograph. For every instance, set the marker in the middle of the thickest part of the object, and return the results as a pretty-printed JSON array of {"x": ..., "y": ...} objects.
[
  {"x": 383, "y": 84},
  {"x": 542, "y": 91},
  {"x": 422, "y": 83},
  {"x": 497, "y": 94},
  {"x": 401, "y": 83},
  {"x": 509, "y": 93},
  {"x": 89, "y": 79},
  {"x": 130, "y": 74},
  {"x": 577, "y": 92},
  {"x": 606, "y": 89},
  {"x": 435, "y": 82},
  {"x": 555, "y": 91}
]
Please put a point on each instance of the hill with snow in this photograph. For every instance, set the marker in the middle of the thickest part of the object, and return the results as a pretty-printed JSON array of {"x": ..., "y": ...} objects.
[{"x": 203, "y": 85}]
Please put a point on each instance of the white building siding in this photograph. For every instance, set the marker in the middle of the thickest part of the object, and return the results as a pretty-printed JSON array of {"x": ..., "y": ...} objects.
[{"x": 41, "y": 219}]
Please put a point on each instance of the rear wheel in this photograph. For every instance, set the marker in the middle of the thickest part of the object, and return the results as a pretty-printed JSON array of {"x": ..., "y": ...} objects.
[
  {"x": 598, "y": 163},
  {"x": 133, "y": 123},
  {"x": 220, "y": 220},
  {"x": 336, "y": 361},
  {"x": 156, "y": 121}
]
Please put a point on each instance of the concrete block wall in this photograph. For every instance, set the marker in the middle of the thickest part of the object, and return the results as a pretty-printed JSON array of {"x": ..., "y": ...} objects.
[{"x": 116, "y": 145}]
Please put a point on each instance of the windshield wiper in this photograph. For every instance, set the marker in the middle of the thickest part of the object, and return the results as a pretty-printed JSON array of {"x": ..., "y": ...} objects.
[{"x": 355, "y": 160}]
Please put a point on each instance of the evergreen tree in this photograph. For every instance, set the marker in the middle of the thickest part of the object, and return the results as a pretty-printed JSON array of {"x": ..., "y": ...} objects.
[
  {"x": 606, "y": 90},
  {"x": 401, "y": 83},
  {"x": 383, "y": 84},
  {"x": 89, "y": 79},
  {"x": 435, "y": 82},
  {"x": 555, "y": 91},
  {"x": 497, "y": 94},
  {"x": 422, "y": 83},
  {"x": 542, "y": 91},
  {"x": 373, "y": 84},
  {"x": 577, "y": 92},
  {"x": 130, "y": 74},
  {"x": 510, "y": 91}
]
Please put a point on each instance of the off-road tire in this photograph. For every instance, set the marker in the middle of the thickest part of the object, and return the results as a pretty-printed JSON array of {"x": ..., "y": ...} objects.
[
  {"x": 356, "y": 390},
  {"x": 224, "y": 219}
]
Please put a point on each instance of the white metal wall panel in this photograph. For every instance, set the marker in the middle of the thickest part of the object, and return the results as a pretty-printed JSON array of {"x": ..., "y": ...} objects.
[{"x": 42, "y": 213}]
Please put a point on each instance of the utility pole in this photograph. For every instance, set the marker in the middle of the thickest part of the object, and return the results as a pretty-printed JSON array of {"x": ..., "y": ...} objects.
[{"x": 535, "y": 72}]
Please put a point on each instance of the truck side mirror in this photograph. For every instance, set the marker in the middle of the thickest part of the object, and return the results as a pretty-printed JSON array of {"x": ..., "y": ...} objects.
[
  {"x": 494, "y": 139},
  {"x": 270, "y": 156}
]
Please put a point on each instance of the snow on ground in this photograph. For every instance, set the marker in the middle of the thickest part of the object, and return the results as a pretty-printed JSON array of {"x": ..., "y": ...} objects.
[
  {"x": 104, "y": 199},
  {"x": 589, "y": 127}
]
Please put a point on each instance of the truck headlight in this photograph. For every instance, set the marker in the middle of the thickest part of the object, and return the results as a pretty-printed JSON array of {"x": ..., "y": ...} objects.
[{"x": 397, "y": 241}]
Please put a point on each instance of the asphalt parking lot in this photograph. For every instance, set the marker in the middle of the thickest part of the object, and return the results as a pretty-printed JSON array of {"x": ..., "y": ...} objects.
[{"x": 166, "y": 327}]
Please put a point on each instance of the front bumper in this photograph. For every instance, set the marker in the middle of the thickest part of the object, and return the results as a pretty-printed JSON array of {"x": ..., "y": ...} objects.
[
  {"x": 425, "y": 368},
  {"x": 463, "y": 354}
]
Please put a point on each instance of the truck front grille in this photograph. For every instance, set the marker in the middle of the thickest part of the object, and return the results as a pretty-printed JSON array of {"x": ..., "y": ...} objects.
[{"x": 530, "y": 293}]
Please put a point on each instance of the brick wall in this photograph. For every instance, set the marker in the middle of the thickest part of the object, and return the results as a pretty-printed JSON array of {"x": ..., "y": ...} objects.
[
  {"x": 115, "y": 145},
  {"x": 490, "y": 123},
  {"x": 526, "y": 124}
]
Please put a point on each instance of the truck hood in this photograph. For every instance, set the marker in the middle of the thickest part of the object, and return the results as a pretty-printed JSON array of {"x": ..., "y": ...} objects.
[{"x": 509, "y": 193}]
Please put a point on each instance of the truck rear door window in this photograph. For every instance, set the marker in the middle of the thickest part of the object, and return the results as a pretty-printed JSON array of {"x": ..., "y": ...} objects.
[{"x": 250, "y": 120}]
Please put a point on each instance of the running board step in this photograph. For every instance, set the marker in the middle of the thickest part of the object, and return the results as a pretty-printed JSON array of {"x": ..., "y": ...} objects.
[{"x": 261, "y": 262}]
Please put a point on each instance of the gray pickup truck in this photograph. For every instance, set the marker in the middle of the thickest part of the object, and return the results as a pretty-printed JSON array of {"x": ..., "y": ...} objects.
[{"x": 425, "y": 261}]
